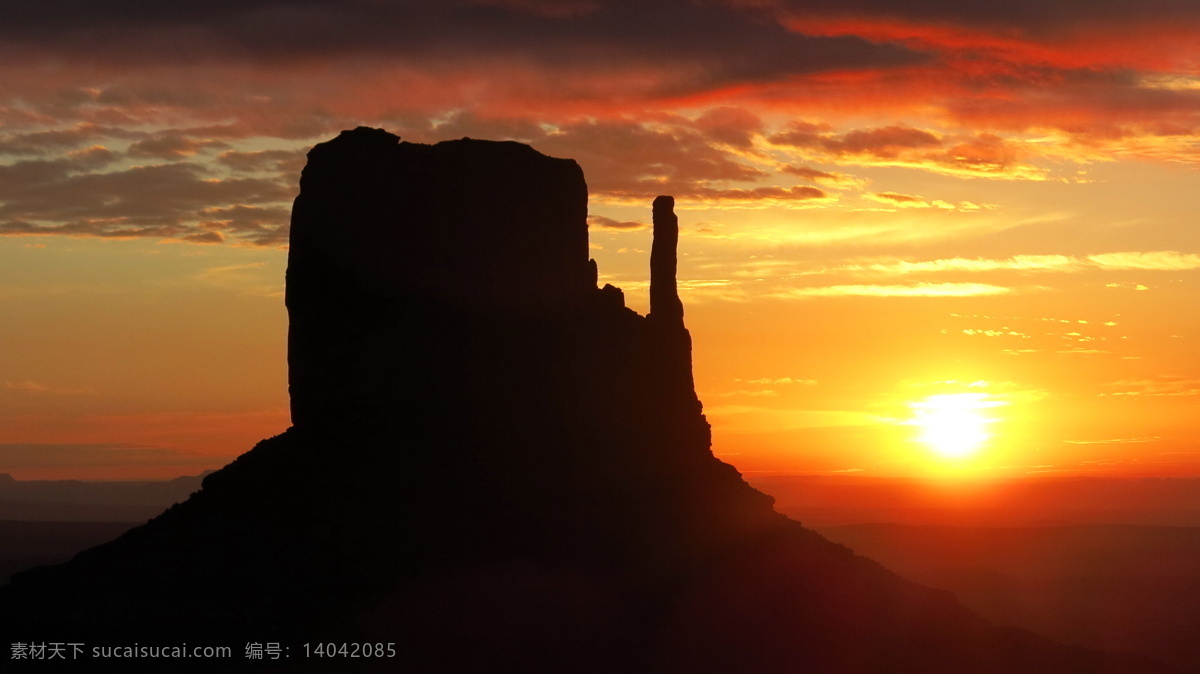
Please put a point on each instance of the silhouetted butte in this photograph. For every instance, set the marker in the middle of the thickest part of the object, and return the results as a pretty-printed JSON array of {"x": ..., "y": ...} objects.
[{"x": 497, "y": 466}]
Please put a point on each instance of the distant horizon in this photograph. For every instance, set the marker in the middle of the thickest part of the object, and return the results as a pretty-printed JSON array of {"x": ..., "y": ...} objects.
[
  {"x": 816, "y": 500},
  {"x": 83, "y": 475}
]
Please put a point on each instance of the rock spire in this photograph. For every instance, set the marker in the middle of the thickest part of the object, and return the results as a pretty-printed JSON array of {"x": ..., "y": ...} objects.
[{"x": 664, "y": 294}]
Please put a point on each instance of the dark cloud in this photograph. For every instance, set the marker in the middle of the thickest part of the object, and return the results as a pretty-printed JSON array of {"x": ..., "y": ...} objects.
[
  {"x": 638, "y": 159},
  {"x": 67, "y": 196},
  {"x": 1035, "y": 16},
  {"x": 1097, "y": 112},
  {"x": 333, "y": 65},
  {"x": 467, "y": 124},
  {"x": 103, "y": 230},
  {"x": 203, "y": 238},
  {"x": 285, "y": 162},
  {"x": 258, "y": 225},
  {"x": 551, "y": 9},
  {"x": 157, "y": 191},
  {"x": 322, "y": 23},
  {"x": 884, "y": 142},
  {"x": 984, "y": 153},
  {"x": 802, "y": 134},
  {"x": 692, "y": 158},
  {"x": 55, "y": 140},
  {"x": 737, "y": 127},
  {"x": 82, "y": 194},
  {"x": 703, "y": 44},
  {"x": 92, "y": 158},
  {"x": 172, "y": 146},
  {"x": 28, "y": 174},
  {"x": 981, "y": 154}
]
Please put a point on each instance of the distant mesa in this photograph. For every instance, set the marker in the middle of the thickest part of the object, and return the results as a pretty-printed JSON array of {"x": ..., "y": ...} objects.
[{"x": 497, "y": 466}]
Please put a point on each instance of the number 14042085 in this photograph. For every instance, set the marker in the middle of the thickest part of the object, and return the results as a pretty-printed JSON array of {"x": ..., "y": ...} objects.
[{"x": 350, "y": 650}]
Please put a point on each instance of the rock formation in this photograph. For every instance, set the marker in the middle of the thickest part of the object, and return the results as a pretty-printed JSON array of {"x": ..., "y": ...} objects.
[
  {"x": 384, "y": 232},
  {"x": 496, "y": 466},
  {"x": 664, "y": 294}
]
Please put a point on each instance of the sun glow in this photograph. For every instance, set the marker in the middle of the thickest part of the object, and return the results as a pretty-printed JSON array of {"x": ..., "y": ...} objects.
[{"x": 954, "y": 425}]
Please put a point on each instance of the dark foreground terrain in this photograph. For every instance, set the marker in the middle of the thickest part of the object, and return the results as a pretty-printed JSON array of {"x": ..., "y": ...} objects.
[{"x": 1130, "y": 588}]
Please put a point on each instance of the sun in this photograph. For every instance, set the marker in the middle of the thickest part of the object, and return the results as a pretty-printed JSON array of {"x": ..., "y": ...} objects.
[{"x": 953, "y": 425}]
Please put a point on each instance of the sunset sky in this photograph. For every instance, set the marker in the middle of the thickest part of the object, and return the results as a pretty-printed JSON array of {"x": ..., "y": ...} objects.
[{"x": 892, "y": 212}]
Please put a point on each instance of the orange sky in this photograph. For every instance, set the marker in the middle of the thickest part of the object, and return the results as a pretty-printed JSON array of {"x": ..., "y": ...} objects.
[{"x": 881, "y": 201}]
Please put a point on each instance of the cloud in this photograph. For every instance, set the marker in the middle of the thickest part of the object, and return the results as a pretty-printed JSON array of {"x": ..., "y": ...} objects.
[
  {"x": 779, "y": 380},
  {"x": 58, "y": 139},
  {"x": 27, "y": 386},
  {"x": 1030, "y": 263},
  {"x": 466, "y": 123},
  {"x": 604, "y": 58},
  {"x": 1162, "y": 386},
  {"x": 809, "y": 173},
  {"x": 1165, "y": 260},
  {"x": 911, "y": 290},
  {"x": 1114, "y": 441},
  {"x": 1031, "y": 18},
  {"x": 1113, "y": 81},
  {"x": 883, "y": 142},
  {"x": 993, "y": 333},
  {"x": 736, "y": 127},
  {"x": 814, "y": 175},
  {"x": 171, "y": 146},
  {"x": 39, "y": 388},
  {"x": 903, "y": 200},
  {"x": 715, "y": 44},
  {"x": 979, "y": 155},
  {"x": 551, "y": 9},
  {"x": 177, "y": 201},
  {"x": 756, "y": 196},
  {"x": 765, "y": 392},
  {"x": 251, "y": 278},
  {"x": 608, "y": 224},
  {"x": 746, "y": 393},
  {"x": 693, "y": 109},
  {"x": 286, "y": 162},
  {"x": 257, "y": 225},
  {"x": 204, "y": 238},
  {"x": 628, "y": 160},
  {"x": 1159, "y": 260},
  {"x": 754, "y": 419}
]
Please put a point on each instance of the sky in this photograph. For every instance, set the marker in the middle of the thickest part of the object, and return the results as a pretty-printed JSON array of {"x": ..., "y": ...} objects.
[{"x": 919, "y": 237}]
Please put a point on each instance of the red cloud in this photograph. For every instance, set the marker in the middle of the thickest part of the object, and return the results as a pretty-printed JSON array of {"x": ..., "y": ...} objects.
[
  {"x": 645, "y": 111},
  {"x": 809, "y": 173},
  {"x": 888, "y": 142}
]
